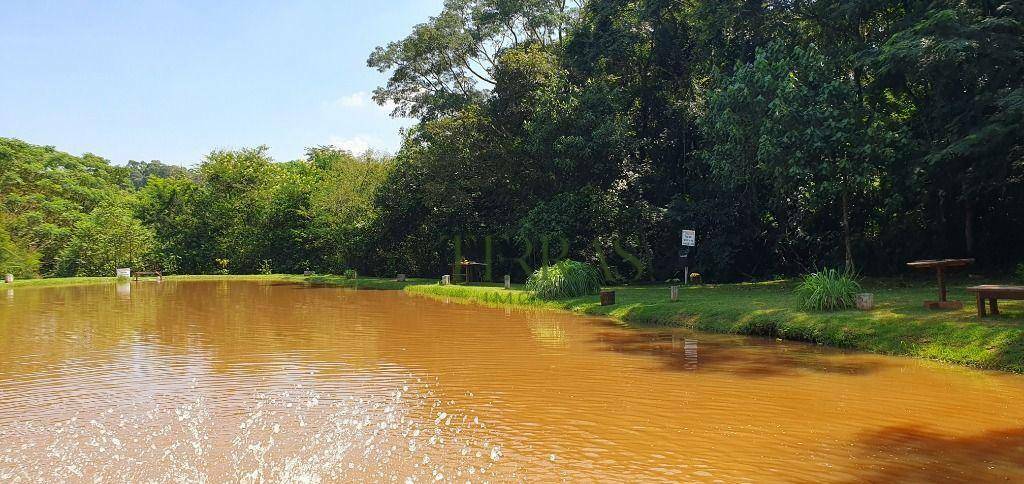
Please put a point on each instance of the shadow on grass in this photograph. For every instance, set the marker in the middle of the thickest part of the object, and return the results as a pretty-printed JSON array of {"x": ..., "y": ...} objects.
[
  {"x": 909, "y": 454},
  {"x": 745, "y": 356}
]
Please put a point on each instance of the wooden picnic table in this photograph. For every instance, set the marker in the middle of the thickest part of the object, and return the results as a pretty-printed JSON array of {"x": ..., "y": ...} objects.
[
  {"x": 466, "y": 269},
  {"x": 993, "y": 293},
  {"x": 159, "y": 275},
  {"x": 940, "y": 267}
]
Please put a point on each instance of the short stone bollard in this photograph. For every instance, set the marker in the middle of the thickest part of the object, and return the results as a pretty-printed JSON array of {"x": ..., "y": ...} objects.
[
  {"x": 124, "y": 273},
  {"x": 308, "y": 273},
  {"x": 508, "y": 281},
  {"x": 865, "y": 301},
  {"x": 674, "y": 293},
  {"x": 9, "y": 278},
  {"x": 400, "y": 278},
  {"x": 446, "y": 280},
  {"x": 607, "y": 298}
]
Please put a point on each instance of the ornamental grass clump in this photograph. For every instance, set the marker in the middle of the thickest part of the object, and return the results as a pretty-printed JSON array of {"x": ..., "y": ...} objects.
[
  {"x": 828, "y": 290},
  {"x": 567, "y": 278}
]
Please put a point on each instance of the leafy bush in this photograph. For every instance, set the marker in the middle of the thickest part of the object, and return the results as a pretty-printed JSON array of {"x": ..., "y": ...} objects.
[
  {"x": 223, "y": 264},
  {"x": 108, "y": 238},
  {"x": 567, "y": 278},
  {"x": 350, "y": 274},
  {"x": 1020, "y": 273},
  {"x": 265, "y": 267},
  {"x": 15, "y": 259},
  {"x": 828, "y": 290}
]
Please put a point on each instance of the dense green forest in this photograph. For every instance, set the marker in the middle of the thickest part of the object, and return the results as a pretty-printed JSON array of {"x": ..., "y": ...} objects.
[{"x": 789, "y": 135}]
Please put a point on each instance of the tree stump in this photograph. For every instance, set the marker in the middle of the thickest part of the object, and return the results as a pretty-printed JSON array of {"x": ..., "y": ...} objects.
[
  {"x": 607, "y": 298},
  {"x": 865, "y": 301}
]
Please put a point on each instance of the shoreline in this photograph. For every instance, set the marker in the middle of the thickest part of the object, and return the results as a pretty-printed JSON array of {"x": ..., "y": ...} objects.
[{"x": 898, "y": 326}]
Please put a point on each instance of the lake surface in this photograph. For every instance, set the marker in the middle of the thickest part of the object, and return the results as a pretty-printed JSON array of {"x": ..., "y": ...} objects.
[{"x": 249, "y": 381}]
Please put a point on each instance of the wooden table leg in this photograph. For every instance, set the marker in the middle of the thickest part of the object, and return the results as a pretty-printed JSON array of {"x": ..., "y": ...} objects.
[
  {"x": 942, "y": 283},
  {"x": 993, "y": 304},
  {"x": 981, "y": 306}
]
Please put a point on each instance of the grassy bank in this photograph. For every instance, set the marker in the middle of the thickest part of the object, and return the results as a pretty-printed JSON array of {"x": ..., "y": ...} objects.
[{"x": 898, "y": 326}]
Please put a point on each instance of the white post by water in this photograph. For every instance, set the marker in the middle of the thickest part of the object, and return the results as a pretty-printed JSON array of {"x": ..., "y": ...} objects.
[
  {"x": 508, "y": 281},
  {"x": 674, "y": 292},
  {"x": 9, "y": 278},
  {"x": 446, "y": 280}
]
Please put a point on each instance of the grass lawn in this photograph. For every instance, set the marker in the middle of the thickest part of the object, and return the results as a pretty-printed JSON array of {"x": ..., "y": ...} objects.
[{"x": 899, "y": 325}]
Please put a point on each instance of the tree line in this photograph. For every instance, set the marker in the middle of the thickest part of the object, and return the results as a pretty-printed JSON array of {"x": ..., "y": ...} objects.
[{"x": 790, "y": 135}]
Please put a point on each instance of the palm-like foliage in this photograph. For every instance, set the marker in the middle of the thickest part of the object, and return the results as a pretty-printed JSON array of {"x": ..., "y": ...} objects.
[
  {"x": 567, "y": 278},
  {"x": 828, "y": 290}
]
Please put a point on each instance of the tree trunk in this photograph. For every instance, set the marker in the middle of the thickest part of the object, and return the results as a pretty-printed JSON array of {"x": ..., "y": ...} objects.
[
  {"x": 846, "y": 231},
  {"x": 969, "y": 228},
  {"x": 968, "y": 219}
]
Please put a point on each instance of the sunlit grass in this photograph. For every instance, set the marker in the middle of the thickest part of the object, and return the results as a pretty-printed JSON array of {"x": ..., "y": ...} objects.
[{"x": 899, "y": 325}]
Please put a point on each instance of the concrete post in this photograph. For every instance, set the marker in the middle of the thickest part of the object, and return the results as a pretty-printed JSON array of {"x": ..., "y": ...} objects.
[
  {"x": 674, "y": 292},
  {"x": 508, "y": 281},
  {"x": 401, "y": 278},
  {"x": 9, "y": 278},
  {"x": 446, "y": 279}
]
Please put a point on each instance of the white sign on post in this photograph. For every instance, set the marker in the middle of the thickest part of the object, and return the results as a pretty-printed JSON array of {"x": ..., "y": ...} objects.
[{"x": 689, "y": 238}]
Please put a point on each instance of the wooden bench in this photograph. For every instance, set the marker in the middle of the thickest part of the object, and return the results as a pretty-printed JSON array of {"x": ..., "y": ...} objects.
[
  {"x": 159, "y": 275},
  {"x": 994, "y": 293}
]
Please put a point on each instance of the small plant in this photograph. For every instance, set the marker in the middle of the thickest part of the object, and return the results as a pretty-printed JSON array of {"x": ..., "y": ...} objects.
[
  {"x": 265, "y": 268},
  {"x": 828, "y": 290},
  {"x": 223, "y": 264},
  {"x": 350, "y": 274},
  {"x": 567, "y": 278}
]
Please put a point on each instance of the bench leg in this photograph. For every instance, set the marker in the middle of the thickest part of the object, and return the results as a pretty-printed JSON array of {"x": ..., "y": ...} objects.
[
  {"x": 981, "y": 306},
  {"x": 994, "y": 306}
]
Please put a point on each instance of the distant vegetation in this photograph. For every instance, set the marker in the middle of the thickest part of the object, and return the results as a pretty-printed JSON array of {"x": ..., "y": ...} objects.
[{"x": 789, "y": 135}]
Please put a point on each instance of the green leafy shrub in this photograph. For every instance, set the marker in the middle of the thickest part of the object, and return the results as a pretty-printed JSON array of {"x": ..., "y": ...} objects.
[
  {"x": 223, "y": 264},
  {"x": 20, "y": 261},
  {"x": 265, "y": 267},
  {"x": 1020, "y": 273},
  {"x": 108, "y": 238},
  {"x": 567, "y": 278},
  {"x": 350, "y": 274},
  {"x": 828, "y": 290}
]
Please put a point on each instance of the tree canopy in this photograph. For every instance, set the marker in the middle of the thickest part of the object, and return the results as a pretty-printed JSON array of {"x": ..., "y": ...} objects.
[{"x": 789, "y": 135}]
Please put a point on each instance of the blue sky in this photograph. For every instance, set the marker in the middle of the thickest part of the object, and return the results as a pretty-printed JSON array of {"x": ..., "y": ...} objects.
[{"x": 171, "y": 80}]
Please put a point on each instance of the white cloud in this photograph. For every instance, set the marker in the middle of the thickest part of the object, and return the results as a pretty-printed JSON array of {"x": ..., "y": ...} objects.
[
  {"x": 362, "y": 100},
  {"x": 356, "y": 144},
  {"x": 354, "y": 100}
]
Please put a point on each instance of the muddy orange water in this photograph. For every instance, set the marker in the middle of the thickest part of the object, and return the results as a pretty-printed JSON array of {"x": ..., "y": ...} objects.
[{"x": 252, "y": 381}]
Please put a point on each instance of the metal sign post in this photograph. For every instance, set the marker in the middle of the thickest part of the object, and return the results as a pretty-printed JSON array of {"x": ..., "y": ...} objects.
[{"x": 687, "y": 239}]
